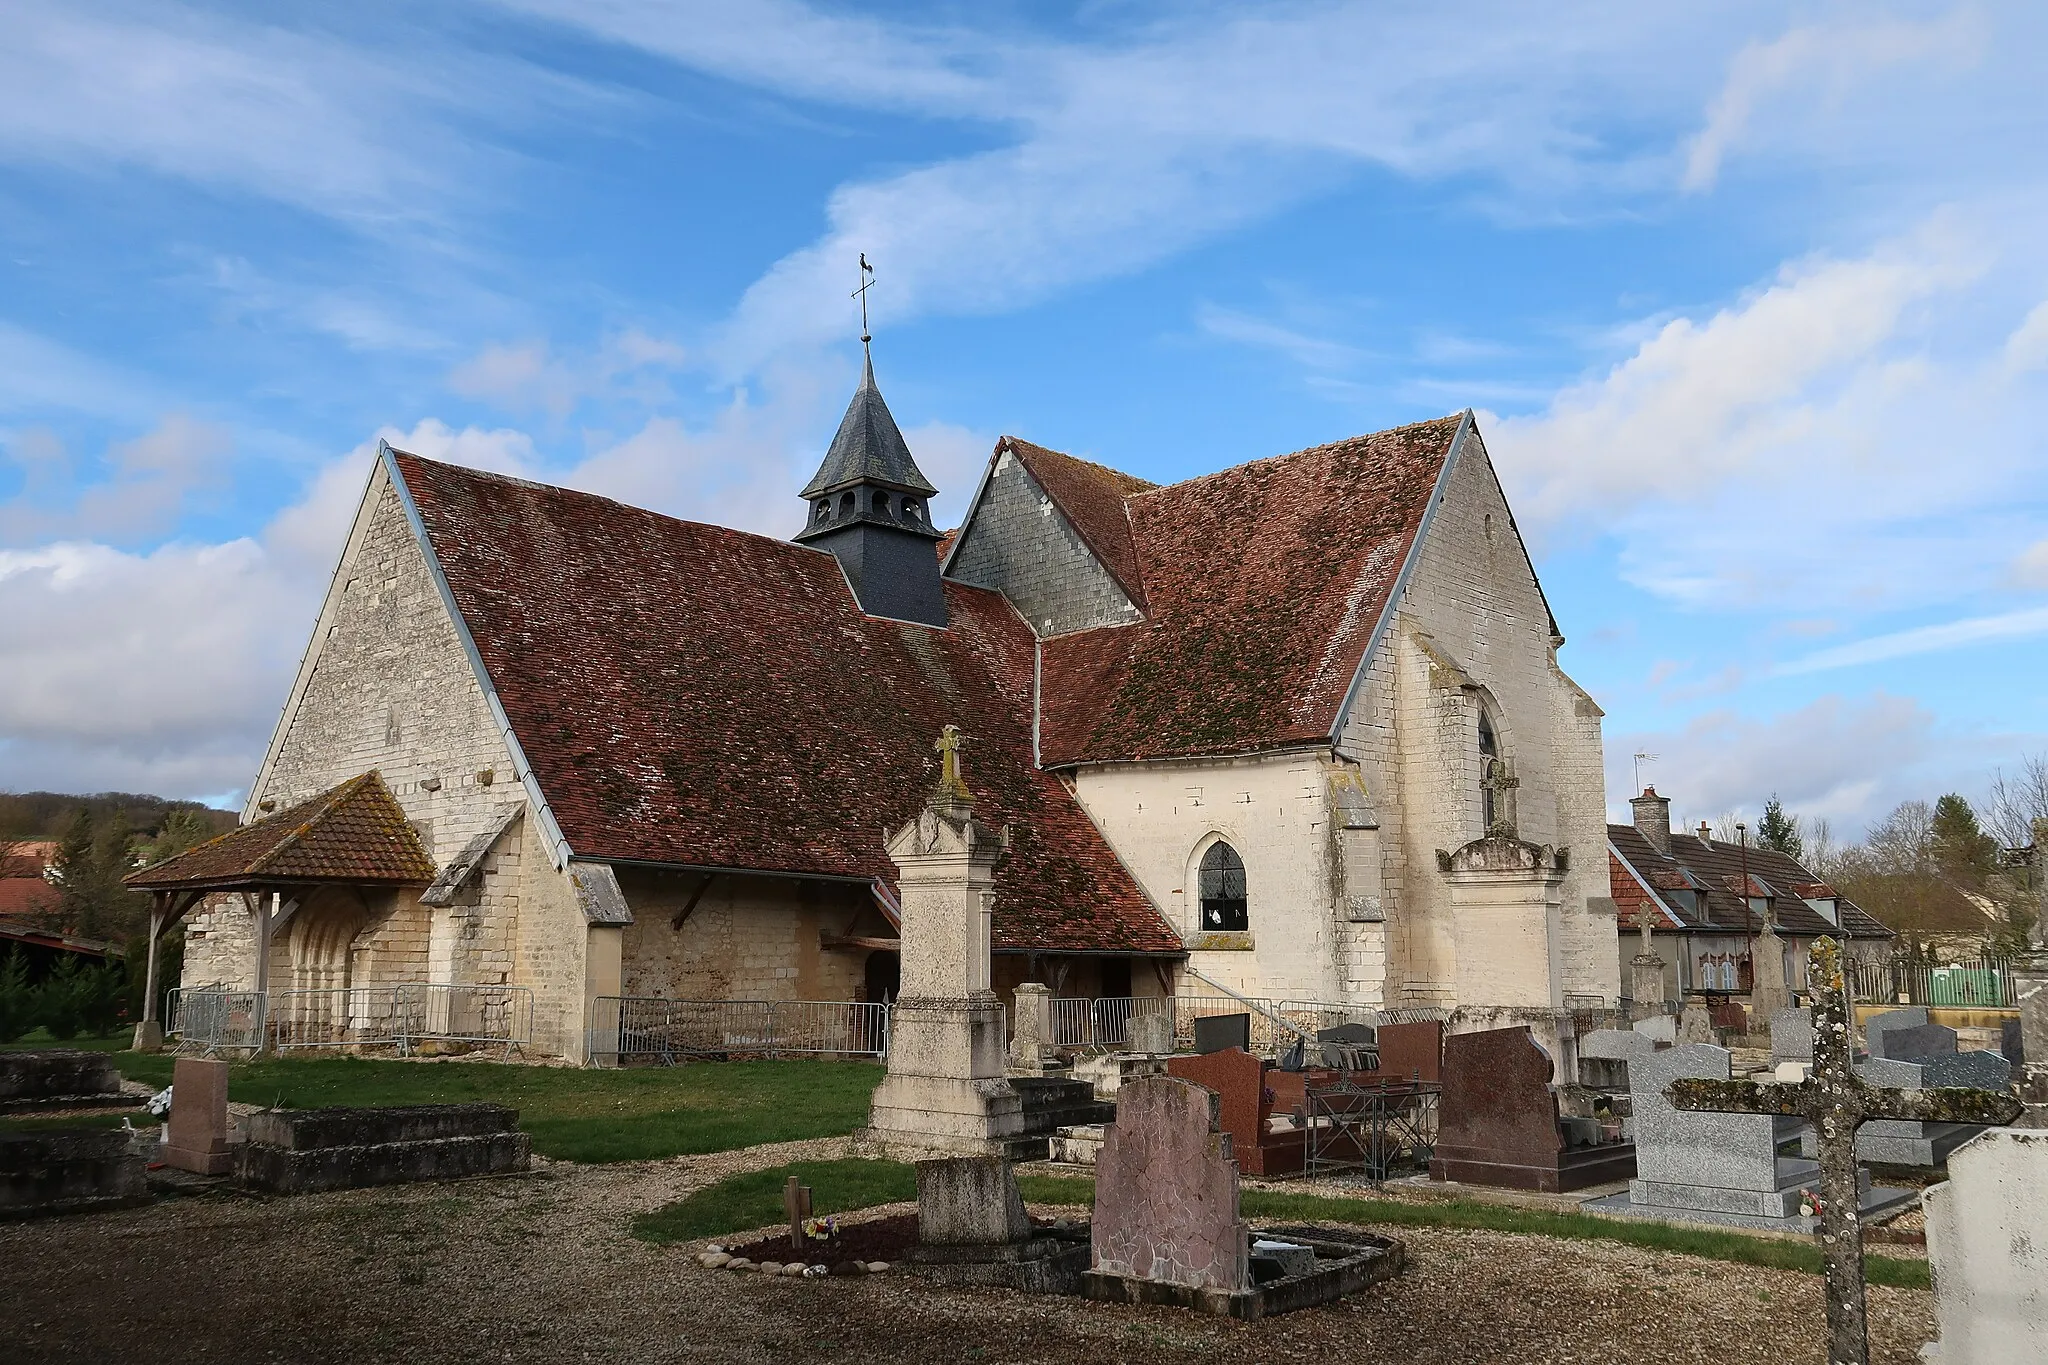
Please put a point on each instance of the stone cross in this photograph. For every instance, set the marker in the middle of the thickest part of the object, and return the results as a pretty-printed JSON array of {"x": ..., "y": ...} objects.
[
  {"x": 1645, "y": 920},
  {"x": 1836, "y": 1101},
  {"x": 949, "y": 744},
  {"x": 1500, "y": 779}
]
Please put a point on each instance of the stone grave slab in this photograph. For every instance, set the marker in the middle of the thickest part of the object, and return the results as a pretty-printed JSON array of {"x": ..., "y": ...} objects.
[
  {"x": 1976, "y": 1069},
  {"x": 198, "y": 1137},
  {"x": 68, "y": 1170},
  {"x": 1791, "y": 1036},
  {"x": 1166, "y": 1204},
  {"x": 1662, "y": 1028},
  {"x": 46, "y": 1079},
  {"x": 1411, "y": 1052},
  {"x": 969, "y": 1201},
  {"x": 1910, "y": 1142},
  {"x": 2010, "y": 1045},
  {"x": 1912, "y": 1044},
  {"x": 1696, "y": 1023},
  {"x": 1990, "y": 1260},
  {"x": 1150, "y": 1032},
  {"x": 1498, "y": 1120},
  {"x": 303, "y": 1151}
]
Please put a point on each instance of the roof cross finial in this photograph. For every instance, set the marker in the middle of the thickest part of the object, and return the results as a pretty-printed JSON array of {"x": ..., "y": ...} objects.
[{"x": 866, "y": 283}]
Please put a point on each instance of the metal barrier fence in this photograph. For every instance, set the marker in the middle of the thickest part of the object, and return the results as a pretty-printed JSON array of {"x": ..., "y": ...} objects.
[
  {"x": 403, "y": 1016},
  {"x": 646, "y": 1028},
  {"x": 1078, "y": 1021},
  {"x": 1984, "y": 984}
]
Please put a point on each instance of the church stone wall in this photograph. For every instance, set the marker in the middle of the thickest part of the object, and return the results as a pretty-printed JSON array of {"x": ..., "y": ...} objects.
[
  {"x": 748, "y": 938},
  {"x": 1020, "y": 544},
  {"x": 1473, "y": 631},
  {"x": 1275, "y": 811}
]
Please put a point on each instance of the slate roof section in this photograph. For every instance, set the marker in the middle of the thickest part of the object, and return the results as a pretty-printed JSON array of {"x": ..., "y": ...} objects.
[
  {"x": 1092, "y": 497},
  {"x": 356, "y": 832},
  {"x": 1263, "y": 585},
  {"x": 1716, "y": 868},
  {"x": 697, "y": 696},
  {"x": 868, "y": 448}
]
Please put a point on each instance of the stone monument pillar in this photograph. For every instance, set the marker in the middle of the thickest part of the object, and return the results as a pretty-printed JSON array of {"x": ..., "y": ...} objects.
[
  {"x": 1030, "y": 1028},
  {"x": 2030, "y": 991},
  {"x": 1767, "y": 992},
  {"x": 1646, "y": 970},
  {"x": 946, "y": 1091}
]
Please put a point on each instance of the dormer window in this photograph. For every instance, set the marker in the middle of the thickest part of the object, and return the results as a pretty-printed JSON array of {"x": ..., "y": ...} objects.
[{"x": 1224, "y": 907}]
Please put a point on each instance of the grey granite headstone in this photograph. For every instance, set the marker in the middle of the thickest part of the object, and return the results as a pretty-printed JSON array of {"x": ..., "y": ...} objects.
[
  {"x": 1974, "y": 1070},
  {"x": 1909, "y": 1142},
  {"x": 1791, "y": 1036},
  {"x": 1911, "y": 1044},
  {"x": 1217, "y": 1032},
  {"x": 2009, "y": 1045},
  {"x": 1878, "y": 1025},
  {"x": 1717, "y": 1163},
  {"x": 1150, "y": 1031}
]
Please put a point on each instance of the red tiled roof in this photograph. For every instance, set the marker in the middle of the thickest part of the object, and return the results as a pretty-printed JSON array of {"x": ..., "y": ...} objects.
[
  {"x": 1263, "y": 585},
  {"x": 1630, "y": 898},
  {"x": 356, "y": 832},
  {"x": 27, "y": 898},
  {"x": 1092, "y": 497},
  {"x": 698, "y": 696},
  {"x": 1717, "y": 866}
]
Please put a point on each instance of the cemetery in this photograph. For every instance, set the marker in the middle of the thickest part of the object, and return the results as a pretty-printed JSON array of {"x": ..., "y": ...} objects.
[{"x": 1341, "y": 1178}]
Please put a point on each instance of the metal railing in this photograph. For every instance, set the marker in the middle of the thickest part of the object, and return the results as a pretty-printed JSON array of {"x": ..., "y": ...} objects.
[
  {"x": 625, "y": 1029},
  {"x": 1984, "y": 984},
  {"x": 403, "y": 1016},
  {"x": 1079, "y": 1021}
]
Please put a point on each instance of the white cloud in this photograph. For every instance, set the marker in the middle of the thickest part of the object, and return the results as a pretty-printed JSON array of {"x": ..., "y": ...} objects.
[
  {"x": 1976, "y": 630},
  {"x": 1849, "y": 761},
  {"x": 38, "y": 374},
  {"x": 2027, "y": 347},
  {"x": 529, "y": 376},
  {"x": 146, "y": 486}
]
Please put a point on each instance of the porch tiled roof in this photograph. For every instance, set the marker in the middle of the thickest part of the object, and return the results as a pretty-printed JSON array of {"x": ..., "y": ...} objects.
[{"x": 355, "y": 832}]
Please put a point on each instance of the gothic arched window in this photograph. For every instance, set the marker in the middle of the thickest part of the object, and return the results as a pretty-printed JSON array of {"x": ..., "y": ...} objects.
[
  {"x": 1489, "y": 753},
  {"x": 1222, "y": 888}
]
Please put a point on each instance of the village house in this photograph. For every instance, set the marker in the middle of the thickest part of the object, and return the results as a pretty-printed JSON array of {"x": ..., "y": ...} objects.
[
  {"x": 1295, "y": 730},
  {"x": 1704, "y": 922}
]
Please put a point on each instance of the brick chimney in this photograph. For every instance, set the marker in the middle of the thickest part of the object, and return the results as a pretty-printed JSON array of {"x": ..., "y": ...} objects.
[{"x": 1653, "y": 819}]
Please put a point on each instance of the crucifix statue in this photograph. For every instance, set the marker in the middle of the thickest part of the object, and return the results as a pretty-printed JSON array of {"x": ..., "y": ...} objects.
[
  {"x": 1836, "y": 1101},
  {"x": 951, "y": 784},
  {"x": 1500, "y": 783}
]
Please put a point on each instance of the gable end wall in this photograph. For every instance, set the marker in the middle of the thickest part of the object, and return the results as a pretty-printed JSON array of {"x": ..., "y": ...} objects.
[{"x": 1019, "y": 543}]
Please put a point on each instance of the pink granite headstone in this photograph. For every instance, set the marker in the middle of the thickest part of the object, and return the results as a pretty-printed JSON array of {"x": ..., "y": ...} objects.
[
  {"x": 1166, "y": 1190},
  {"x": 198, "y": 1138}
]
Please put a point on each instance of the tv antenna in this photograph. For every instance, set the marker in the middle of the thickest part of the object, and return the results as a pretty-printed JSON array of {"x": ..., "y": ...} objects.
[{"x": 1642, "y": 758}]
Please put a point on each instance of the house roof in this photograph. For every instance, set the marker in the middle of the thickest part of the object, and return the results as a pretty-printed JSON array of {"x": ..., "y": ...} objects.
[
  {"x": 356, "y": 832},
  {"x": 868, "y": 448},
  {"x": 1262, "y": 587},
  {"x": 1715, "y": 869},
  {"x": 27, "y": 898},
  {"x": 697, "y": 696}
]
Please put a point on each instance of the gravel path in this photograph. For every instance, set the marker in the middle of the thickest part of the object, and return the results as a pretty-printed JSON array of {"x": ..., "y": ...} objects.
[{"x": 541, "y": 1269}]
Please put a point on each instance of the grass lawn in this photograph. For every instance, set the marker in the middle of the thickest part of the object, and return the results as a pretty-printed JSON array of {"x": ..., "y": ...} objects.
[
  {"x": 40, "y": 1038},
  {"x": 573, "y": 1113},
  {"x": 755, "y": 1200}
]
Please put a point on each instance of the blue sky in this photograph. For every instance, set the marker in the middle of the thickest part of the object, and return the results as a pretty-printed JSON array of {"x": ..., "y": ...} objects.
[{"x": 1752, "y": 300}]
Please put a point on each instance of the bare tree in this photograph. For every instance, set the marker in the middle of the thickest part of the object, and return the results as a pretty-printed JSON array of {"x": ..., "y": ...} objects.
[
  {"x": 1823, "y": 855},
  {"x": 2017, "y": 806}
]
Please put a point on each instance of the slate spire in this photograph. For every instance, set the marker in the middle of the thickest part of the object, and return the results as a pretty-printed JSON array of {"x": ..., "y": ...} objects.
[{"x": 868, "y": 507}]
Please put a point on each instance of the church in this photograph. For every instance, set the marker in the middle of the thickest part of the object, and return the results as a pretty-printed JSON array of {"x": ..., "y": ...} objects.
[{"x": 1295, "y": 730}]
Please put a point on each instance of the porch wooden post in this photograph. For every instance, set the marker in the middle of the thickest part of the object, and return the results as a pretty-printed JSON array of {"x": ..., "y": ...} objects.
[
  {"x": 266, "y": 913},
  {"x": 149, "y": 1031}
]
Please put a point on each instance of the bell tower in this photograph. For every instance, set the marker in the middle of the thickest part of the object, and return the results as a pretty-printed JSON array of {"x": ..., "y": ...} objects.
[{"x": 870, "y": 506}]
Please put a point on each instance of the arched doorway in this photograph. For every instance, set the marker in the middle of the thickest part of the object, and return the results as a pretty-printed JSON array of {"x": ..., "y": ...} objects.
[{"x": 883, "y": 978}]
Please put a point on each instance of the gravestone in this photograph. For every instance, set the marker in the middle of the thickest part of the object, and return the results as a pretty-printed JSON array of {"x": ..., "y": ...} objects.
[
  {"x": 198, "y": 1140},
  {"x": 1349, "y": 1047},
  {"x": 1215, "y": 1032},
  {"x": 1031, "y": 1028},
  {"x": 1662, "y": 1028},
  {"x": 969, "y": 1201},
  {"x": 2010, "y": 1045},
  {"x": 1875, "y": 1027},
  {"x": 1412, "y": 1052},
  {"x": 1768, "y": 994},
  {"x": 1713, "y": 1163},
  {"x": 68, "y": 1170},
  {"x": 1151, "y": 1032},
  {"x": 1791, "y": 1037},
  {"x": 1905, "y": 1142},
  {"x": 1498, "y": 1120},
  {"x": 1245, "y": 1102},
  {"x": 1166, "y": 1202},
  {"x": 1696, "y": 1024},
  {"x": 307, "y": 1151},
  {"x": 1974, "y": 1070},
  {"x": 1646, "y": 968},
  {"x": 1912, "y": 1044},
  {"x": 1989, "y": 1258}
]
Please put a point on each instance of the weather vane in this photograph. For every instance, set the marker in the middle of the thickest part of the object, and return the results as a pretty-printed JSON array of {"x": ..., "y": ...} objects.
[{"x": 867, "y": 282}]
